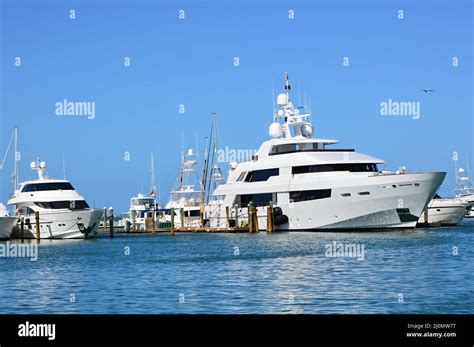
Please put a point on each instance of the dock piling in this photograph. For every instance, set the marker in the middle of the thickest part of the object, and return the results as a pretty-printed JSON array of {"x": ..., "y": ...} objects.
[
  {"x": 172, "y": 220},
  {"x": 37, "y": 219},
  {"x": 22, "y": 229},
  {"x": 133, "y": 215},
  {"x": 111, "y": 223},
  {"x": 181, "y": 215},
  {"x": 105, "y": 217},
  {"x": 227, "y": 216},
  {"x": 236, "y": 216},
  {"x": 270, "y": 224},
  {"x": 250, "y": 216}
]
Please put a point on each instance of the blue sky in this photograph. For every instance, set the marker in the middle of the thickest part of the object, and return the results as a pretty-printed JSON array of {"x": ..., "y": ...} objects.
[{"x": 191, "y": 62}]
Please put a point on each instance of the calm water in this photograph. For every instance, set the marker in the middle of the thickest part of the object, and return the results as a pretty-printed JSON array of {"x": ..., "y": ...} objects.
[{"x": 279, "y": 273}]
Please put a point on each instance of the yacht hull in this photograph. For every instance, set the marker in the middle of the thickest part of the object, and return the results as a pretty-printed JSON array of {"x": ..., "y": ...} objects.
[
  {"x": 392, "y": 202},
  {"x": 75, "y": 224},
  {"x": 6, "y": 227}
]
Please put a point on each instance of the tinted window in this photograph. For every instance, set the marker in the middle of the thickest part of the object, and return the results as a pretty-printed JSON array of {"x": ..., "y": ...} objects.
[
  {"x": 335, "y": 167},
  {"x": 257, "y": 199},
  {"x": 38, "y": 187},
  {"x": 305, "y": 195},
  {"x": 261, "y": 175},
  {"x": 72, "y": 205}
]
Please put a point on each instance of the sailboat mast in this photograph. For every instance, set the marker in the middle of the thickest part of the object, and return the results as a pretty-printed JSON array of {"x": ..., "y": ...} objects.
[
  {"x": 152, "y": 178},
  {"x": 15, "y": 172}
]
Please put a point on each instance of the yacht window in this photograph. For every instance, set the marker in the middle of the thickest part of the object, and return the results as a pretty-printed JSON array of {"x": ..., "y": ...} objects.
[
  {"x": 364, "y": 193},
  {"x": 261, "y": 175},
  {"x": 257, "y": 199},
  {"x": 194, "y": 213},
  {"x": 303, "y": 147},
  {"x": 305, "y": 195},
  {"x": 241, "y": 176},
  {"x": 334, "y": 167},
  {"x": 38, "y": 187},
  {"x": 72, "y": 205},
  {"x": 346, "y": 194}
]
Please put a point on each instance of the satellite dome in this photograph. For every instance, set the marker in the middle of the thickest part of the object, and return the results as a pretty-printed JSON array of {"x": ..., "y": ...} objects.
[
  {"x": 307, "y": 130},
  {"x": 282, "y": 99},
  {"x": 275, "y": 130}
]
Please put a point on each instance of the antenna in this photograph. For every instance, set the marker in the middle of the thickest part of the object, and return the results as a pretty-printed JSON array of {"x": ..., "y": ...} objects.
[
  {"x": 273, "y": 96},
  {"x": 467, "y": 164},
  {"x": 15, "y": 178},
  {"x": 299, "y": 93},
  {"x": 64, "y": 168},
  {"x": 309, "y": 104}
]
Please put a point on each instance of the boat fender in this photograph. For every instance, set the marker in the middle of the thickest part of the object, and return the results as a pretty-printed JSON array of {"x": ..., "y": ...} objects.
[
  {"x": 277, "y": 211},
  {"x": 281, "y": 219}
]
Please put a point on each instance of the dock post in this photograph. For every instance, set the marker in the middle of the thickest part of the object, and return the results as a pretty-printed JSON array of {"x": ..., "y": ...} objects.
[
  {"x": 250, "y": 217},
  {"x": 201, "y": 216},
  {"x": 255, "y": 221},
  {"x": 227, "y": 216},
  {"x": 37, "y": 219},
  {"x": 172, "y": 220},
  {"x": 270, "y": 218},
  {"x": 236, "y": 216},
  {"x": 111, "y": 223},
  {"x": 22, "y": 229},
  {"x": 181, "y": 216},
  {"x": 104, "y": 212},
  {"x": 133, "y": 215},
  {"x": 153, "y": 220}
]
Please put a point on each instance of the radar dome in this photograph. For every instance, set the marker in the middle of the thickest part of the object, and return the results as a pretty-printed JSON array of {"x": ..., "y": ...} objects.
[
  {"x": 307, "y": 130},
  {"x": 43, "y": 164},
  {"x": 275, "y": 130},
  {"x": 282, "y": 99},
  {"x": 33, "y": 165}
]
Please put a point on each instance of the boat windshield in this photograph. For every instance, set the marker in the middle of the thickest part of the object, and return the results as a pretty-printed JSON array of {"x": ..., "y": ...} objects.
[
  {"x": 303, "y": 147},
  {"x": 39, "y": 187}
]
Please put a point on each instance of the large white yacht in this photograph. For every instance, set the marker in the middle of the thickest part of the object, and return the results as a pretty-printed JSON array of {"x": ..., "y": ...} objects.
[
  {"x": 315, "y": 187},
  {"x": 63, "y": 212},
  {"x": 6, "y": 223}
]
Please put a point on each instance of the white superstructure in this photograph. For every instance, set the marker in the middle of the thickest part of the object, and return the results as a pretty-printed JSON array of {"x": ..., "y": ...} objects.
[
  {"x": 443, "y": 212},
  {"x": 63, "y": 212},
  {"x": 315, "y": 187}
]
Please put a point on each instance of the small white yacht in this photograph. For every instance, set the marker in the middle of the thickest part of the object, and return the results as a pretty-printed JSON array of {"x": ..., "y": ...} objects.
[
  {"x": 6, "y": 223},
  {"x": 142, "y": 207},
  {"x": 315, "y": 187},
  {"x": 465, "y": 191},
  {"x": 63, "y": 212},
  {"x": 443, "y": 212}
]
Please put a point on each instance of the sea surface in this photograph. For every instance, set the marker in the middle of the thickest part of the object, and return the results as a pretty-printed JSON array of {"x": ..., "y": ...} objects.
[{"x": 419, "y": 271}]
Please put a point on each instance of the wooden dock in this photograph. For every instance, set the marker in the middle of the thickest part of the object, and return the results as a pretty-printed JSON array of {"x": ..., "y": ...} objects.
[{"x": 176, "y": 230}]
